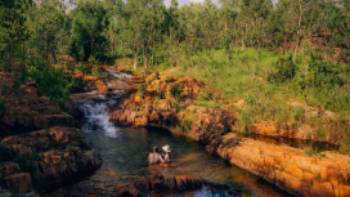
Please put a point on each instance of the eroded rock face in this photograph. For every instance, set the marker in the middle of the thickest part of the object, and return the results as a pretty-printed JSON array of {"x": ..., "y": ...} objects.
[
  {"x": 167, "y": 104},
  {"x": 171, "y": 103},
  {"x": 24, "y": 110},
  {"x": 54, "y": 157},
  {"x": 289, "y": 168}
]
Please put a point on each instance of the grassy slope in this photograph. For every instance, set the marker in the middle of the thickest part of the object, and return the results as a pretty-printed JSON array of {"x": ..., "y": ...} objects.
[{"x": 241, "y": 76}]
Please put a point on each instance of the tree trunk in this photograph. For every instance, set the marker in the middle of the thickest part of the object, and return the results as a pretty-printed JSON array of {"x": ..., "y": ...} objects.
[
  {"x": 145, "y": 61},
  {"x": 298, "y": 40},
  {"x": 135, "y": 61}
]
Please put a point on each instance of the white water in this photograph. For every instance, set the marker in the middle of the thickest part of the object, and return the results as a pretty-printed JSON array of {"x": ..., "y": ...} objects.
[
  {"x": 96, "y": 118},
  {"x": 96, "y": 113}
]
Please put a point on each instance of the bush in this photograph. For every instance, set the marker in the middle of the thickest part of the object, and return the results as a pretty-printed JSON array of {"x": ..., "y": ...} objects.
[
  {"x": 52, "y": 83},
  {"x": 286, "y": 70},
  {"x": 176, "y": 91},
  {"x": 324, "y": 74}
]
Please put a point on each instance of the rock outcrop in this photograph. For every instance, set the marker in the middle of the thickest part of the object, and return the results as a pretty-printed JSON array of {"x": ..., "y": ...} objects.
[
  {"x": 325, "y": 174},
  {"x": 52, "y": 157},
  {"x": 24, "y": 110},
  {"x": 173, "y": 104}
]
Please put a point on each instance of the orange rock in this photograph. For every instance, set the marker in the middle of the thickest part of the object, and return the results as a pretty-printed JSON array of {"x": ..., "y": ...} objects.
[
  {"x": 141, "y": 121},
  {"x": 101, "y": 87},
  {"x": 290, "y": 167},
  {"x": 59, "y": 135},
  {"x": 51, "y": 157},
  {"x": 265, "y": 128}
]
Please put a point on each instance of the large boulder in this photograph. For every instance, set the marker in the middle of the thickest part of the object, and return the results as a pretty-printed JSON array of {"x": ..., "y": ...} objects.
[
  {"x": 290, "y": 168},
  {"x": 54, "y": 157}
]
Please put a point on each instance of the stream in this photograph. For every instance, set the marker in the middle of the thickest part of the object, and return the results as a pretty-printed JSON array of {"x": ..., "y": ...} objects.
[{"x": 124, "y": 152}]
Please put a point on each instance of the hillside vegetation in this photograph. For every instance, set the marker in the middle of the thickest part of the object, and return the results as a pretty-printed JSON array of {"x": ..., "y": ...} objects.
[{"x": 281, "y": 67}]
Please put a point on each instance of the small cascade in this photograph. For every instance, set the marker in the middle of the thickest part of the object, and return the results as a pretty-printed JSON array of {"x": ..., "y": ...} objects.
[
  {"x": 96, "y": 118},
  {"x": 95, "y": 108},
  {"x": 118, "y": 75}
]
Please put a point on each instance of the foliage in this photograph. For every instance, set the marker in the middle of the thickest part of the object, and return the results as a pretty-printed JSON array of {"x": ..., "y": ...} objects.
[
  {"x": 13, "y": 32},
  {"x": 176, "y": 91},
  {"x": 90, "y": 21},
  {"x": 324, "y": 74},
  {"x": 49, "y": 38},
  {"x": 59, "y": 87},
  {"x": 286, "y": 70}
]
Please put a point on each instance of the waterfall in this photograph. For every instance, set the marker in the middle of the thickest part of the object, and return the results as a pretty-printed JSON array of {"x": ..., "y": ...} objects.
[
  {"x": 95, "y": 108},
  {"x": 97, "y": 118}
]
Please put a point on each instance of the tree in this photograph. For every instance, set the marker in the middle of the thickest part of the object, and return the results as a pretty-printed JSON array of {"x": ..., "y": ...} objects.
[
  {"x": 144, "y": 20},
  {"x": 89, "y": 40},
  {"x": 49, "y": 31},
  {"x": 13, "y": 32}
]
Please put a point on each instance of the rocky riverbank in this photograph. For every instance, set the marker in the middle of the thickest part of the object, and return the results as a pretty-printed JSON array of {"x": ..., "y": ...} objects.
[
  {"x": 175, "y": 104},
  {"x": 40, "y": 150}
]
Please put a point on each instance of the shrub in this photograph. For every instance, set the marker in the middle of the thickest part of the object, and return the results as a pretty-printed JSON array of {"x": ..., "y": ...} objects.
[
  {"x": 286, "y": 70},
  {"x": 324, "y": 74},
  {"x": 83, "y": 68},
  {"x": 53, "y": 83},
  {"x": 176, "y": 91}
]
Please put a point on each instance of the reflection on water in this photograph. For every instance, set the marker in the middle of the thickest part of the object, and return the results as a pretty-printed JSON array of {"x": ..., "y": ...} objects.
[{"x": 125, "y": 160}]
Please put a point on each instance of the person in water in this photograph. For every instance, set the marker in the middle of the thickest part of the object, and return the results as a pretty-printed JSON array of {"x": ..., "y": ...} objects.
[
  {"x": 155, "y": 156},
  {"x": 166, "y": 153}
]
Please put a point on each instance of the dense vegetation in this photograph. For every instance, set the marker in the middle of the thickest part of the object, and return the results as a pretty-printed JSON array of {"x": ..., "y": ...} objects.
[{"x": 267, "y": 54}]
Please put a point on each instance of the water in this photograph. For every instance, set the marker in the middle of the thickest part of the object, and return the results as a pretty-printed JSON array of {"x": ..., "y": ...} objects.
[
  {"x": 96, "y": 115},
  {"x": 124, "y": 152}
]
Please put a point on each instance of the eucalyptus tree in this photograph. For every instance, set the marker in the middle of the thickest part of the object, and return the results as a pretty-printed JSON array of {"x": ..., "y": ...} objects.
[
  {"x": 89, "y": 25},
  {"x": 49, "y": 26},
  {"x": 145, "y": 19},
  {"x": 13, "y": 32}
]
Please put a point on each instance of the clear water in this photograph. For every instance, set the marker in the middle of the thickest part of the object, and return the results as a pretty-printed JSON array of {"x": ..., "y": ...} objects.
[
  {"x": 124, "y": 152},
  {"x": 125, "y": 160}
]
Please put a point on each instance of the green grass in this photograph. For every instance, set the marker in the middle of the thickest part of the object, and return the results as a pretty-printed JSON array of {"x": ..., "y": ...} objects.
[{"x": 268, "y": 81}]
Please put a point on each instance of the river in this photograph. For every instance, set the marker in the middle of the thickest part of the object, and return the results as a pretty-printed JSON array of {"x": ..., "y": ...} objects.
[{"x": 124, "y": 152}]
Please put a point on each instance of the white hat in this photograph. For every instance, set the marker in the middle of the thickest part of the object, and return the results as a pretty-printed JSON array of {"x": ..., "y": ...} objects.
[{"x": 166, "y": 148}]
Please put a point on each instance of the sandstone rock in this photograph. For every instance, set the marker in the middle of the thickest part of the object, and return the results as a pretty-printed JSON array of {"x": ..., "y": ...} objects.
[
  {"x": 57, "y": 168},
  {"x": 289, "y": 167},
  {"x": 19, "y": 183},
  {"x": 60, "y": 135},
  {"x": 102, "y": 88}
]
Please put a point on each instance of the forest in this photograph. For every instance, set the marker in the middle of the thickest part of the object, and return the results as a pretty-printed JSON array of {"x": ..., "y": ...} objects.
[{"x": 281, "y": 68}]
